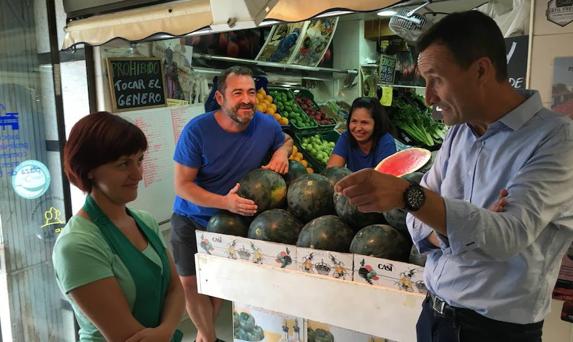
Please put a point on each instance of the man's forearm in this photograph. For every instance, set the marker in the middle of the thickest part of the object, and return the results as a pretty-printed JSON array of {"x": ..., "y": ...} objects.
[{"x": 192, "y": 192}]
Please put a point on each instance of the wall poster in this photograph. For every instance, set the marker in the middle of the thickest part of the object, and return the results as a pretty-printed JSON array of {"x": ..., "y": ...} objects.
[{"x": 562, "y": 89}]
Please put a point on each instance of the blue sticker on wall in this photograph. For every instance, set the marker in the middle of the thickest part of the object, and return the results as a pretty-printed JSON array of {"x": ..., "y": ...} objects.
[{"x": 31, "y": 179}]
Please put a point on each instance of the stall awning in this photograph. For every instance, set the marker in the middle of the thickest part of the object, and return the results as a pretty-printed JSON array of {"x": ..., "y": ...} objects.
[
  {"x": 179, "y": 18},
  {"x": 174, "y": 18},
  {"x": 297, "y": 10}
]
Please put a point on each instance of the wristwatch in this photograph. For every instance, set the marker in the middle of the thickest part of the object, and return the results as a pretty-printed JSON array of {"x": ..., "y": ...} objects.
[{"x": 414, "y": 197}]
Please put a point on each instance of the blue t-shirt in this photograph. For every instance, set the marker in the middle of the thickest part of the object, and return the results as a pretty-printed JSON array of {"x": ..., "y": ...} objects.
[
  {"x": 358, "y": 160},
  {"x": 222, "y": 158}
]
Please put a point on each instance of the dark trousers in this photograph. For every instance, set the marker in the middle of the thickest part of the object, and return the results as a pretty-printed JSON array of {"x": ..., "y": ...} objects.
[{"x": 463, "y": 325}]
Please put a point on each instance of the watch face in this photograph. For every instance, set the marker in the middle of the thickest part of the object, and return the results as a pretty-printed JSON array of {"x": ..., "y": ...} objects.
[{"x": 415, "y": 197}]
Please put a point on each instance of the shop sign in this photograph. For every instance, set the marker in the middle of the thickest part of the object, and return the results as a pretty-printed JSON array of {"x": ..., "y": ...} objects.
[
  {"x": 136, "y": 83},
  {"x": 387, "y": 68},
  {"x": 516, "y": 53},
  {"x": 31, "y": 179},
  {"x": 560, "y": 12}
]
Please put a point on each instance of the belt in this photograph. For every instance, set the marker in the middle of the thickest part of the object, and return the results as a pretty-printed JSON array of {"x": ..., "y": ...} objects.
[{"x": 440, "y": 306}]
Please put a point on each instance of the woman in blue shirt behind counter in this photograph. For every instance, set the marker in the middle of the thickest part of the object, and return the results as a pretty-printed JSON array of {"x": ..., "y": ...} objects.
[{"x": 368, "y": 139}]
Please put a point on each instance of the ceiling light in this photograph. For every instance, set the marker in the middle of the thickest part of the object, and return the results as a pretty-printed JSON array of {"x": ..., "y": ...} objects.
[
  {"x": 333, "y": 13},
  {"x": 387, "y": 13}
]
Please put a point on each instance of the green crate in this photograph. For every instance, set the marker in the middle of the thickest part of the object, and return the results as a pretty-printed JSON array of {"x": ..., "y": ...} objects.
[
  {"x": 316, "y": 164},
  {"x": 303, "y": 93},
  {"x": 287, "y": 92}
]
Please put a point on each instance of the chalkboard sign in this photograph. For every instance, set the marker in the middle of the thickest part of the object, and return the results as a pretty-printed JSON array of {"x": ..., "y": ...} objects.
[
  {"x": 387, "y": 68},
  {"x": 136, "y": 83},
  {"x": 516, "y": 49}
]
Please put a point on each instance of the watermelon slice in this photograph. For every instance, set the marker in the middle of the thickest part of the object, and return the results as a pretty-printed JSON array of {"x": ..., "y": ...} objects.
[{"x": 404, "y": 162}]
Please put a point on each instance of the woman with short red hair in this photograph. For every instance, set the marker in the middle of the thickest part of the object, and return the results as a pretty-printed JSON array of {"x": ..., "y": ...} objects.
[{"x": 110, "y": 261}]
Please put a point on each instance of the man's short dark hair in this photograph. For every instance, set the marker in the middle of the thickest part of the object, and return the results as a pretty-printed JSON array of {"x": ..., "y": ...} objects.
[
  {"x": 469, "y": 36},
  {"x": 236, "y": 70}
]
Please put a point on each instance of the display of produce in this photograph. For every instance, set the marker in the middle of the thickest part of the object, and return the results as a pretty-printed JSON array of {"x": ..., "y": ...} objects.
[
  {"x": 334, "y": 174},
  {"x": 318, "y": 147},
  {"x": 276, "y": 225},
  {"x": 314, "y": 111},
  {"x": 265, "y": 105},
  {"x": 297, "y": 156},
  {"x": 227, "y": 223},
  {"x": 349, "y": 213},
  {"x": 295, "y": 169},
  {"x": 337, "y": 112},
  {"x": 287, "y": 106},
  {"x": 381, "y": 241},
  {"x": 404, "y": 162},
  {"x": 410, "y": 116},
  {"x": 310, "y": 196},
  {"x": 327, "y": 232}
]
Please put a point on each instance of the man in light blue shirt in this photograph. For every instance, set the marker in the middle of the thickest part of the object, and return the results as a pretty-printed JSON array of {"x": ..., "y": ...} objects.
[{"x": 489, "y": 274}]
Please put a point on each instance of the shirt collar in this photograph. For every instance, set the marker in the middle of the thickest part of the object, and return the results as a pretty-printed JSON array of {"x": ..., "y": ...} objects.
[{"x": 525, "y": 111}]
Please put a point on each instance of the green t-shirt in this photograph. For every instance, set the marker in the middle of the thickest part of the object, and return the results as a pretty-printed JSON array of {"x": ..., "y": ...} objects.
[{"x": 82, "y": 255}]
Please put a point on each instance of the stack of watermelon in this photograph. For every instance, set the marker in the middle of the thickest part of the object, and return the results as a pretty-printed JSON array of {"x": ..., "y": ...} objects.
[{"x": 303, "y": 209}]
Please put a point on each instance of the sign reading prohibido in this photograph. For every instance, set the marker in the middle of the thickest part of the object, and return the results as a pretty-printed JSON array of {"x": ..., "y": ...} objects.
[{"x": 136, "y": 83}]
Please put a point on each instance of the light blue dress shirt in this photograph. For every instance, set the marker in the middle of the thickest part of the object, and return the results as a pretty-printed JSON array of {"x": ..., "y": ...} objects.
[{"x": 502, "y": 265}]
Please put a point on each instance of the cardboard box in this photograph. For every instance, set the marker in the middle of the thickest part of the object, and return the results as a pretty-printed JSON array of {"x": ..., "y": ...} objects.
[
  {"x": 332, "y": 264},
  {"x": 389, "y": 273},
  {"x": 239, "y": 248},
  {"x": 255, "y": 324}
]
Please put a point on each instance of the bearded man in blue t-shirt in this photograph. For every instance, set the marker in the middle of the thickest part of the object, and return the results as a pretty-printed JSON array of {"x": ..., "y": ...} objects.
[{"x": 215, "y": 150}]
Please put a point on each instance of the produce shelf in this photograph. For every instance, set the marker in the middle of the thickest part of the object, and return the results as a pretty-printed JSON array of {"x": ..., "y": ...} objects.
[{"x": 379, "y": 311}]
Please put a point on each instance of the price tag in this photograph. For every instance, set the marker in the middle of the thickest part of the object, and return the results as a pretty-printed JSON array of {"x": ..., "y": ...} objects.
[{"x": 387, "y": 95}]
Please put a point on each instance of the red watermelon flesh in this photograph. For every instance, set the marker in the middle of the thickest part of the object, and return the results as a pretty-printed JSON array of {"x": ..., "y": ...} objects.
[{"x": 404, "y": 162}]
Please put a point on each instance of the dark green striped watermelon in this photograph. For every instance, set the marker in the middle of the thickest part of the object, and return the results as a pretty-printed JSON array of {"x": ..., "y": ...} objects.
[
  {"x": 276, "y": 225},
  {"x": 381, "y": 241},
  {"x": 225, "y": 222},
  {"x": 351, "y": 216},
  {"x": 278, "y": 189},
  {"x": 397, "y": 217},
  {"x": 257, "y": 187},
  {"x": 415, "y": 177},
  {"x": 326, "y": 232},
  {"x": 417, "y": 258},
  {"x": 310, "y": 196},
  {"x": 334, "y": 174},
  {"x": 295, "y": 170}
]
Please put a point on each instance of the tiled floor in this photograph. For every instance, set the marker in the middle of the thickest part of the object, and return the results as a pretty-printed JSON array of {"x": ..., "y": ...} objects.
[{"x": 224, "y": 325}]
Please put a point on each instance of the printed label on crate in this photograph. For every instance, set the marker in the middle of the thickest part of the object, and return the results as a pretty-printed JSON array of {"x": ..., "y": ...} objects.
[
  {"x": 317, "y": 331},
  {"x": 389, "y": 273},
  {"x": 255, "y": 324},
  {"x": 332, "y": 264},
  {"x": 239, "y": 248}
]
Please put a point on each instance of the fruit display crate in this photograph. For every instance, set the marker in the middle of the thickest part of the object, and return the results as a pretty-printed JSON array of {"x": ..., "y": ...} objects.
[
  {"x": 287, "y": 107},
  {"x": 277, "y": 277},
  {"x": 330, "y": 135},
  {"x": 305, "y": 99}
]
